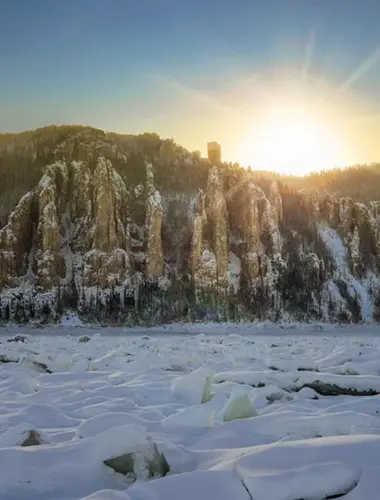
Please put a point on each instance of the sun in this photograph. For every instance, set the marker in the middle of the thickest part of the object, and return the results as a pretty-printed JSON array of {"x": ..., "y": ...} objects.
[{"x": 291, "y": 141}]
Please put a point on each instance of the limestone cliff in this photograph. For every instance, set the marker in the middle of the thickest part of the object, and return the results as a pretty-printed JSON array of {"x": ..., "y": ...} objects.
[
  {"x": 246, "y": 221},
  {"x": 153, "y": 227},
  {"x": 81, "y": 206},
  {"x": 15, "y": 242},
  {"x": 203, "y": 264},
  {"x": 107, "y": 263},
  {"x": 174, "y": 238},
  {"x": 51, "y": 199},
  {"x": 197, "y": 244},
  {"x": 216, "y": 212},
  {"x": 275, "y": 200}
]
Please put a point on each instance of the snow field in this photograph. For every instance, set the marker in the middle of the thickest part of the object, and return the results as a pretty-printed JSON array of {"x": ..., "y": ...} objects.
[{"x": 235, "y": 416}]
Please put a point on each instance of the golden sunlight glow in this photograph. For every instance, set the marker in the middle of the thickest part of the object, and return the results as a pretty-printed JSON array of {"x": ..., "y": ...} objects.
[
  {"x": 291, "y": 141},
  {"x": 278, "y": 119}
]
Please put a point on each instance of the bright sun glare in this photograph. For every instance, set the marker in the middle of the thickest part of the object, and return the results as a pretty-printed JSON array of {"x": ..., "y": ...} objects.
[{"x": 292, "y": 142}]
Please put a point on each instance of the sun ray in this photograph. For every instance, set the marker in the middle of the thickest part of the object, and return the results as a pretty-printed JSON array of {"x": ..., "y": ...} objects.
[
  {"x": 363, "y": 68},
  {"x": 202, "y": 97},
  {"x": 309, "y": 51}
]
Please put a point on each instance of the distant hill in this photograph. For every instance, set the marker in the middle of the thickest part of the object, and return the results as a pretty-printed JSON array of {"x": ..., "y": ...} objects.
[{"x": 359, "y": 182}]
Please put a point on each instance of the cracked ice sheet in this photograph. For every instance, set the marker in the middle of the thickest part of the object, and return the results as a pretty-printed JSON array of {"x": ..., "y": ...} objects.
[{"x": 122, "y": 384}]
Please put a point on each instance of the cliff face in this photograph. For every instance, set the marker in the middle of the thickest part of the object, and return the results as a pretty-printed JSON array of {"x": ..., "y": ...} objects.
[
  {"x": 131, "y": 247},
  {"x": 246, "y": 222},
  {"x": 216, "y": 213},
  {"x": 203, "y": 267},
  {"x": 107, "y": 262},
  {"x": 153, "y": 228},
  {"x": 15, "y": 242}
]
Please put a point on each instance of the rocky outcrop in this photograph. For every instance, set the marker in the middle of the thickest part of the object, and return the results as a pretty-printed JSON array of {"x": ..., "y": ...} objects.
[
  {"x": 358, "y": 225},
  {"x": 275, "y": 199},
  {"x": 216, "y": 212},
  {"x": 249, "y": 222},
  {"x": 108, "y": 264},
  {"x": 15, "y": 242},
  {"x": 203, "y": 264},
  {"x": 256, "y": 220},
  {"x": 272, "y": 215},
  {"x": 81, "y": 206},
  {"x": 110, "y": 198},
  {"x": 74, "y": 213},
  {"x": 51, "y": 199},
  {"x": 153, "y": 226},
  {"x": 197, "y": 246},
  {"x": 209, "y": 244}
]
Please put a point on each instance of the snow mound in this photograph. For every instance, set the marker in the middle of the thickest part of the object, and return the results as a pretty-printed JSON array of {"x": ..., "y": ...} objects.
[
  {"x": 315, "y": 482},
  {"x": 200, "y": 416},
  {"x": 202, "y": 485},
  {"x": 40, "y": 415},
  {"x": 100, "y": 423},
  {"x": 108, "y": 495}
]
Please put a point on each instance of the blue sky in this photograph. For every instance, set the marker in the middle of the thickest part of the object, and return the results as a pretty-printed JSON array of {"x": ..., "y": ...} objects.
[{"x": 169, "y": 66}]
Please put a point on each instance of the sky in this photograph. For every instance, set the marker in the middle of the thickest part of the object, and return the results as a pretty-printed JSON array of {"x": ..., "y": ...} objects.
[{"x": 199, "y": 71}]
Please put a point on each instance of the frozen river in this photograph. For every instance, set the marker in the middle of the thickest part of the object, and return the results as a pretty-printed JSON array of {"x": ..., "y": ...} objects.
[{"x": 263, "y": 412}]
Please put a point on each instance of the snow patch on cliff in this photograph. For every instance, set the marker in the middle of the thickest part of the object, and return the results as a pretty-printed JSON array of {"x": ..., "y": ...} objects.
[
  {"x": 234, "y": 270},
  {"x": 338, "y": 252},
  {"x": 66, "y": 250}
]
